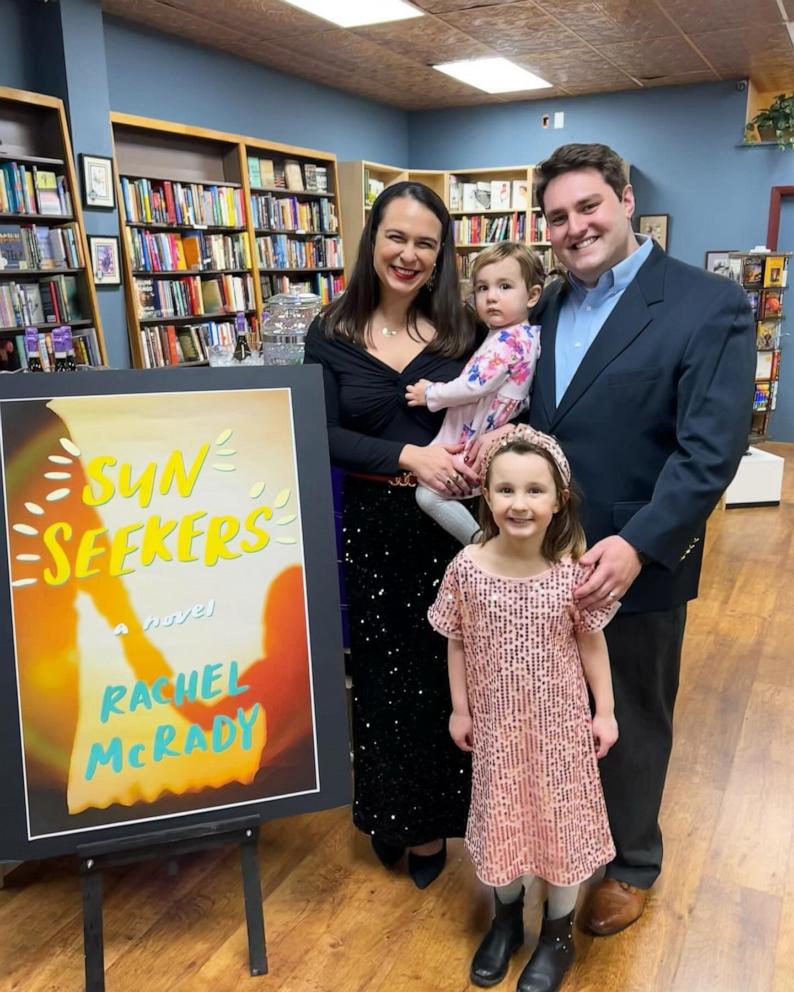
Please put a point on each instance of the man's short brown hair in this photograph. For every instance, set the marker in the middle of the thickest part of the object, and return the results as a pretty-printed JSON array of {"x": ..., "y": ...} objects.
[
  {"x": 532, "y": 271},
  {"x": 569, "y": 158}
]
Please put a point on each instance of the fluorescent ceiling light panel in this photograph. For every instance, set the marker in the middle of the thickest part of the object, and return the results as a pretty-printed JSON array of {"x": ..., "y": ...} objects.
[
  {"x": 493, "y": 75},
  {"x": 355, "y": 13}
]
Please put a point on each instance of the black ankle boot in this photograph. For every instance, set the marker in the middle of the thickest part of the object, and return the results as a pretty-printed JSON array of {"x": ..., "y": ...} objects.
[
  {"x": 552, "y": 957},
  {"x": 425, "y": 868},
  {"x": 489, "y": 965},
  {"x": 387, "y": 854}
]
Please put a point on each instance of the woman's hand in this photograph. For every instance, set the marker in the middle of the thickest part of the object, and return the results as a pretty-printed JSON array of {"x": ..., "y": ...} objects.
[
  {"x": 433, "y": 466},
  {"x": 605, "y": 733},
  {"x": 461, "y": 730}
]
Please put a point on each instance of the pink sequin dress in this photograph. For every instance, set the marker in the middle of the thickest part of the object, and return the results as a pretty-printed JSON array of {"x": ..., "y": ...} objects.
[{"x": 537, "y": 806}]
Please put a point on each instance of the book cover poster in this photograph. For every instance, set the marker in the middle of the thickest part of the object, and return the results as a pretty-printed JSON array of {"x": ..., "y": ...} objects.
[{"x": 159, "y": 613}]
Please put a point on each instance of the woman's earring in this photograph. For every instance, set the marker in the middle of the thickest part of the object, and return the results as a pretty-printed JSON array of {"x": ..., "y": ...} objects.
[{"x": 431, "y": 282}]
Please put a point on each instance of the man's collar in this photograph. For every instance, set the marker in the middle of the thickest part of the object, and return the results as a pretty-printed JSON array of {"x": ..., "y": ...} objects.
[{"x": 620, "y": 275}]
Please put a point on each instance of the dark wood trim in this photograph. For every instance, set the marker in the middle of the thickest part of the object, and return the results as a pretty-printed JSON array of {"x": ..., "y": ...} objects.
[{"x": 773, "y": 230}]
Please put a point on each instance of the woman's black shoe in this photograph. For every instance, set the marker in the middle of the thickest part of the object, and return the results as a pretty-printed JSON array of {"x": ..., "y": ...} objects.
[
  {"x": 552, "y": 957},
  {"x": 425, "y": 868},
  {"x": 491, "y": 960},
  {"x": 387, "y": 854}
]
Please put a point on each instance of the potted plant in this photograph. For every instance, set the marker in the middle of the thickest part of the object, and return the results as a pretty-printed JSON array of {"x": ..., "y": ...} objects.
[{"x": 774, "y": 123}]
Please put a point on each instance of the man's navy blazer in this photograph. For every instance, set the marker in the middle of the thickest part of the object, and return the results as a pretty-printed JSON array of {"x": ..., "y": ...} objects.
[{"x": 656, "y": 417}]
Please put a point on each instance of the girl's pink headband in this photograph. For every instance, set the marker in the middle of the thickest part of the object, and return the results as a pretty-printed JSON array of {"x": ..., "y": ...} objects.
[{"x": 525, "y": 433}]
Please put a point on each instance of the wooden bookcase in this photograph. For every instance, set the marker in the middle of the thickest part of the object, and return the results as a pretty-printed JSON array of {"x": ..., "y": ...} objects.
[
  {"x": 304, "y": 223},
  {"x": 763, "y": 276},
  {"x": 217, "y": 257},
  {"x": 34, "y": 146},
  {"x": 360, "y": 182}
]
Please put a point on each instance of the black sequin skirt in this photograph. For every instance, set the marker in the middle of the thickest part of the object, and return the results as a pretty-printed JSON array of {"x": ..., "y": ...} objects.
[{"x": 412, "y": 783}]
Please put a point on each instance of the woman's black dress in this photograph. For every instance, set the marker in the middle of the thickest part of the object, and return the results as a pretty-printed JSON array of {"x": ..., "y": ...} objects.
[{"x": 412, "y": 783}]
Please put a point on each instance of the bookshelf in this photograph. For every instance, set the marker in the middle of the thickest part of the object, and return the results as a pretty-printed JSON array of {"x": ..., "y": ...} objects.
[
  {"x": 764, "y": 277},
  {"x": 44, "y": 276},
  {"x": 477, "y": 222},
  {"x": 205, "y": 235},
  {"x": 295, "y": 220}
]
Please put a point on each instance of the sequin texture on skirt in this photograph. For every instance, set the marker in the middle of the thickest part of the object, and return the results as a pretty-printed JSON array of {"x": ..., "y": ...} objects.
[{"x": 412, "y": 784}]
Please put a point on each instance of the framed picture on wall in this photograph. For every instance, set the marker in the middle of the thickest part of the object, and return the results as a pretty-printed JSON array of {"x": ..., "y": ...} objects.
[
  {"x": 654, "y": 226},
  {"x": 719, "y": 262},
  {"x": 97, "y": 172},
  {"x": 105, "y": 260}
]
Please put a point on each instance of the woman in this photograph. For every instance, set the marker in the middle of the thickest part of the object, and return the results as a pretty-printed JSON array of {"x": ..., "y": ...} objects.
[{"x": 400, "y": 320}]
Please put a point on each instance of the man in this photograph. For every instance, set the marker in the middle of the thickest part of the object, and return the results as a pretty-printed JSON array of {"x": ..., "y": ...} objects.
[{"x": 646, "y": 378}]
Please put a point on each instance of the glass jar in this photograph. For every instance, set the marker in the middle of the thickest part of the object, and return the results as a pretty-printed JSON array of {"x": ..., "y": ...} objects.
[{"x": 284, "y": 324}]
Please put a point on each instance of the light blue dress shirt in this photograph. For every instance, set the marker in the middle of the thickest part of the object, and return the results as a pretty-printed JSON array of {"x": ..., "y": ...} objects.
[{"x": 584, "y": 312}]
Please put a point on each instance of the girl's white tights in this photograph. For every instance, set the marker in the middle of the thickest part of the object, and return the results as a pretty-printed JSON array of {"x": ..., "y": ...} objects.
[{"x": 560, "y": 899}]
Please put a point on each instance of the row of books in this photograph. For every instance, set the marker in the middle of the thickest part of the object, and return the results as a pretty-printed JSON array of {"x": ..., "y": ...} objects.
[
  {"x": 373, "y": 187},
  {"x": 765, "y": 397},
  {"x": 13, "y": 355},
  {"x": 54, "y": 300},
  {"x": 768, "y": 272},
  {"x": 486, "y": 230},
  {"x": 766, "y": 304},
  {"x": 161, "y": 201},
  {"x": 30, "y": 246},
  {"x": 288, "y": 174},
  {"x": 767, "y": 365},
  {"x": 767, "y": 334},
  {"x": 278, "y": 251},
  {"x": 163, "y": 252},
  {"x": 26, "y": 189},
  {"x": 171, "y": 345},
  {"x": 496, "y": 194},
  {"x": 326, "y": 285},
  {"x": 538, "y": 228},
  {"x": 287, "y": 213},
  {"x": 193, "y": 295}
]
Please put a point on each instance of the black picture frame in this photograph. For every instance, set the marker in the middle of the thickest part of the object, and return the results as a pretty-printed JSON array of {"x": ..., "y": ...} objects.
[
  {"x": 105, "y": 259},
  {"x": 96, "y": 175}
]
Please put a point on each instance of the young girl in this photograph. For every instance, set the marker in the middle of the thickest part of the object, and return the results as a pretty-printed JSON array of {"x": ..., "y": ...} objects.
[
  {"x": 495, "y": 384},
  {"x": 519, "y": 654}
]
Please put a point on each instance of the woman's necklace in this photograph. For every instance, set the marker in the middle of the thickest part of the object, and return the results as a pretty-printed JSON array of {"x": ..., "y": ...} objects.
[{"x": 387, "y": 332}]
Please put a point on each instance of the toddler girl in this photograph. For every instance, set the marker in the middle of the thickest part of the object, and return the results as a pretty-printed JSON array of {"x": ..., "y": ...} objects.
[
  {"x": 494, "y": 387},
  {"x": 520, "y": 660}
]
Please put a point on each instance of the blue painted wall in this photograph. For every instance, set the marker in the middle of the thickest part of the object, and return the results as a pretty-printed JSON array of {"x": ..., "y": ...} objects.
[
  {"x": 682, "y": 146},
  {"x": 14, "y": 50},
  {"x": 681, "y": 143},
  {"x": 161, "y": 76}
]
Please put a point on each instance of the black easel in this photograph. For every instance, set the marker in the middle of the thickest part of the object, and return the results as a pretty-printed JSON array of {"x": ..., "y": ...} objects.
[{"x": 170, "y": 844}]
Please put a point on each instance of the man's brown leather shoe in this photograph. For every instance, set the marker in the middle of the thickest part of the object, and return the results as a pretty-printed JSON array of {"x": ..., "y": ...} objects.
[{"x": 615, "y": 905}]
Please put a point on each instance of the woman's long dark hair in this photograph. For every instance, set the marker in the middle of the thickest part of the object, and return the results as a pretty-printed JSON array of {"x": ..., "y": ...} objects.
[{"x": 349, "y": 315}]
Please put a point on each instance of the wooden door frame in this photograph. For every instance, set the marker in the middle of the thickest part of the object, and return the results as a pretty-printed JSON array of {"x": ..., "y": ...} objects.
[{"x": 773, "y": 229}]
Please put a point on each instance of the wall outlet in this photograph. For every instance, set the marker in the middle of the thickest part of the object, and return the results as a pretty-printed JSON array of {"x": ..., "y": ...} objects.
[{"x": 559, "y": 119}]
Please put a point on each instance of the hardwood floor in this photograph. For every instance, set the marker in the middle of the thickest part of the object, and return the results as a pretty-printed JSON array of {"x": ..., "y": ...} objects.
[{"x": 721, "y": 918}]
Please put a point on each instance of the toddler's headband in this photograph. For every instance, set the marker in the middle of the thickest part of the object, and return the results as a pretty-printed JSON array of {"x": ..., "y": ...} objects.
[{"x": 525, "y": 433}]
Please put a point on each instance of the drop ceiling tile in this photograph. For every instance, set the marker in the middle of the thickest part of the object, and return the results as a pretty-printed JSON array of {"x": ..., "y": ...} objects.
[
  {"x": 427, "y": 40},
  {"x": 604, "y": 21},
  {"x": 265, "y": 18},
  {"x": 574, "y": 65},
  {"x": 445, "y": 6},
  {"x": 512, "y": 28},
  {"x": 704, "y": 15},
  {"x": 738, "y": 49},
  {"x": 656, "y": 57}
]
